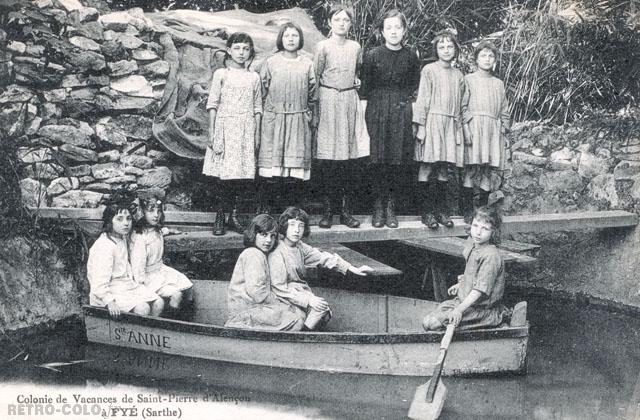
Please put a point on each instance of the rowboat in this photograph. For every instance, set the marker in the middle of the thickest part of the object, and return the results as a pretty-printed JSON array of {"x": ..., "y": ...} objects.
[{"x": 368, "y": 334}]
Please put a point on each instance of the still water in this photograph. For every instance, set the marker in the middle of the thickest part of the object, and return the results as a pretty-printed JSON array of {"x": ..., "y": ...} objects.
[{"x": 583, "y": 363}]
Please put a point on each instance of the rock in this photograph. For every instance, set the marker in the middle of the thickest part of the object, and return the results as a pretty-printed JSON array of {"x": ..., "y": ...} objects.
[
  {"x": 81, "y": 80},
  {"x": 17, "y": 47},
  {"x": 102, "y": 187},
  {"x": 537, "y": 152},
  {"x": 590, "y": 165},
  {"x": 70, "y": 5},
  {"x": 626, "y": 170},
  {"x": 33, "y": 193},
  {"x": 34, "y": 126},
  {"x": 87, "y": 179},
  {"x": 132, "y": 170},
  {"x": 80, "y": 170},
  {"x": 529, "y": 159},
  {"x": 114, "y": 51},
  {"x": 604, "y": 153},
  {"x": 44, "y": 4},
  {"x": 30, "y": 155},
  {"x": 158, "y": 177},
  {"x": 38, "y": 75},
  {"x": 85, "y": 14},
  {"x": 144, "y": 55},
  {"x": 129, "y": 42},
  {"x": 133, "y": 86},
  {"x": 135, "y": 148},
  {"x": 110, "y": 133},
  {"x": 630, "y": 150},
  {"x": 118, "y": 21},
  {"x": 62, "y": 185},
  {"x": 83, "y": 94},
  {"x": 78, "y": 199},
  {"x": 134, "y": 126},
  {"x": 562, "y": 181},
  {"x": 122, "y": 68},
  {"x": 107, "y": 170},
  {"x": 142, "y": 162},
  {"x": 78, "y": 134},
  {"x": 563, "y": 154},
  {"x": 634, "y": 191},
  {"x": 584, "y": 147},
  {"x": 79, "y": 108},
  {"x": 152, "y": 193},
  {"x": 125, "y": 179},
  {"x": 92, "y": 30},
  {"x": 84, "y": 43},
  {"x": 86, "y": 61},
  {"x": 41, "y": 170},
  {"x": 16, "y": 93},
  {"x": 55, "y": 95},
  {"x": 156, "y": 69},
  {"x": 562, "y": 165},
  {"x": 158, "y": 156},
  {"x": 35, "y": 50},
  {"x": 50, "y": 111},
  {"x": 603, "y": 188},
  {"x": 78, "y": 154},
  {"x": 109, "y": 156},
  {"x": 128, "y": 103},
  {"x": 180, "y": 199}
]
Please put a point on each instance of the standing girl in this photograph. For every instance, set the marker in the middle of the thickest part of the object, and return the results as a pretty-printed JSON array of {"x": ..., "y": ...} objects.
[
  {"x": 110, "y": 276},
  {"x": 251, "y": 302},
  {"x": 289, "y": 86},
  {"x": 235, "y": 108},
  {"x": 485, "y": 113},
  {"x": 147, "y": 250},
  {"x": 438, "y": 119},
  {"x": 336, "y": 62},
  {"x": 288, "y": 267},
  {"x": 390, "y": 76}
]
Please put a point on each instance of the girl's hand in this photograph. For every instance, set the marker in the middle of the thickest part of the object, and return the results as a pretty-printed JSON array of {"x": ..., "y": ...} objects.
[
  {"x": 114, "y": 311},
  {"x": 414, "y": 129},
  {"x": 357, "y": 83},
  {"x": 453, "y": 290},
  {"x": 218, "y": 148},
  {"x": 455, "y": 316},
  {"x": 318, "y": 303},
  {"x": 421, "y": 133},
  {"x": 468, "y": 139},
  {"x": 361, "y": 271},
  {"x": 170, "y": 231}
]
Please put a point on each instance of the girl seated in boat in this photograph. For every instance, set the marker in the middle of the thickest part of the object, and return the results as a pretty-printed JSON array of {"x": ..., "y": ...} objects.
[
  {"x": 109, "y": 272},
  {"x": 288, "y": 267},
  {"x": 147, "y": 250},
  {"x": 251, "y": 302},
  {"x": 478, "y": 293}
]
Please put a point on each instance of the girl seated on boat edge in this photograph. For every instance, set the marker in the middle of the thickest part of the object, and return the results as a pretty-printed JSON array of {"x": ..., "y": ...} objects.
[
  {"x": 251, "y": 301},
  {"x": 288, "y": 269},
  {"x": 479, "y": 291},
  {"x": 111, "y": 281}
]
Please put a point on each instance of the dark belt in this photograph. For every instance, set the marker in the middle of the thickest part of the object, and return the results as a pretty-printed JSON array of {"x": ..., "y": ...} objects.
[{"x": 338, "y": 89}]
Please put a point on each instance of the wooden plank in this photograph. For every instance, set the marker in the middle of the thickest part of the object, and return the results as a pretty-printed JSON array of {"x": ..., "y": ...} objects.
[
  {"x": 553, "y": 222},
  {"x": 520, "y": 247},
  {"x": 454, "y": 246},
  {"x": 358, "y": 259}
]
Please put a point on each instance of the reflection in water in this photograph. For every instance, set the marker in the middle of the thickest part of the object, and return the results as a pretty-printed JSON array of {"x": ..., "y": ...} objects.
[{"x": 583, "y": 364}]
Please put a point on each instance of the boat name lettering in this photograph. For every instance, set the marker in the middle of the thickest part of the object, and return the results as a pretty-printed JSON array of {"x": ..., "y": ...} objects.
[{"x": 138, "y": 337}]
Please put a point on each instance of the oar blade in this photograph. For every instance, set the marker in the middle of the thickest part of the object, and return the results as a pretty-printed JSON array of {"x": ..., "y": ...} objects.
[{"x": 421, "y": 409}]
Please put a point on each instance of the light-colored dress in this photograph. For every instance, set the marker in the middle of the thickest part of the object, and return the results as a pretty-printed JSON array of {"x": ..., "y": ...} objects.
[
  {"x": 252, "y": 303},
  {"x": 146, "y": 252},
  {"x": 236, "y": 96},
  {"x": 111, "y": 277},
  {"x": 288, "y": 268},
  {"x": 285, "y": 147},
  {"x": 336, "y": 66},
  {"x": 486, "y": 110},
  {"x": 438, "y": 108}
]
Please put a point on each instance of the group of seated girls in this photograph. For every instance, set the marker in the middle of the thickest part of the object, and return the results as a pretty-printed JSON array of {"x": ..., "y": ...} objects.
[{"x": 268, "y": 288}]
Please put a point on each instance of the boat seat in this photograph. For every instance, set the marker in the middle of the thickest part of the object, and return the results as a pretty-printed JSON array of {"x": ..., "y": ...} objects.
[{"x": 357, "y": 259}]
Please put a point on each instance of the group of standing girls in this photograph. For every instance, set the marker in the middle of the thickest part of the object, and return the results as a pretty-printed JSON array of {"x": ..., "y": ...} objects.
[
  {"x": 453, "y": 127},
  {"x": 125, "y": 268}
]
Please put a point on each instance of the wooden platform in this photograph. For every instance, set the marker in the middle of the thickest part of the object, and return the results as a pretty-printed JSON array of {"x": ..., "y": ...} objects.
[{"x": 357, "y": 259}]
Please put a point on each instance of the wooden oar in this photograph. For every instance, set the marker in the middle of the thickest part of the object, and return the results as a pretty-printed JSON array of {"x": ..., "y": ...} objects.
[{"x": 429, "y": 398}]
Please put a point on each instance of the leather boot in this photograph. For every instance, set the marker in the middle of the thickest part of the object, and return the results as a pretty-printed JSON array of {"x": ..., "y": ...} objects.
[
  {"x": 480, "y": 198},
  {"x": 379, "y": 218},
  {"x": 442, "y": 215},
  {"x": 218, "y": 224},
  {"x": 392, "y": 220},
  {"x": 327, "y": 214},
  {"x": 428, "y": 198},
  {"x": 345, "y": 213},
  {"x": 234, "y": 222},
  {"x": 467, "y": 204}
]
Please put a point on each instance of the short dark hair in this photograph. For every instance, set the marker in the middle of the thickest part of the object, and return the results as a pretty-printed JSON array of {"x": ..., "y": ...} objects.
[
  {"x": 391, "y": 14},
  {"x": 283, "y": 28},
  {"x": 241, "y": 37},
  {"x": 147, "y": 204},
  {"x": 262, "y": 223},
  {"x": 293, "y": 213},
  {"x": 491, "y": 215},
  {"x": 442, "y": 35},
  {"x": 485, "y": 45},
  {"x": 110, "y": 211},
  {"x": 337, "y": 8}
]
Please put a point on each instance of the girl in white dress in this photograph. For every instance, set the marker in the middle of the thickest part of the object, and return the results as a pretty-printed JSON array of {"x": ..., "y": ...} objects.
[
  {"x": 147, "y": 250},
  {"x": 111, "y": 280}
]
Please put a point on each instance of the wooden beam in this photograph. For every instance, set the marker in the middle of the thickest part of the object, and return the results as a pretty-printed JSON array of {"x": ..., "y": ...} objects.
[
  {"x": 554, "y": 222},
  {"x": 453, "y": 246},
  {"x": 358, "y": 259}
]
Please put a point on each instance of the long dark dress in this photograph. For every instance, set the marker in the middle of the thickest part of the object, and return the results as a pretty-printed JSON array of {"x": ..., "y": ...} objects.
[{"x": 389, "y": 80}]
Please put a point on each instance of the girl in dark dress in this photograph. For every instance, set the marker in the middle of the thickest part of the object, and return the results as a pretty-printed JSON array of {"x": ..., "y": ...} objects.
[{"x": 390, "y": 77}]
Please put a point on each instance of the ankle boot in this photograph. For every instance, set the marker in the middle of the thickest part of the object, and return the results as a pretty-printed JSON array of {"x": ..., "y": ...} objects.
[
  {"x": 392, "y": 220},
  {"x": 467, "y": 204},
  {"x": 442, "y": 215},
  {"x": 345, "y": 213},
  {"x": 379, "y": 218},
  {"x": 428, "y": 198},
  {"x": 481, "y": 198},
  {"x": 234, "y": 222},
  {"x": 327, "y": 214},
  {"x": 218, "y": 224}
]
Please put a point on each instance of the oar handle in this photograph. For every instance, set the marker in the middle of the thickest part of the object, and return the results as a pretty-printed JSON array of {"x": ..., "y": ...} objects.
[{"x": 448, "y": 335}]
